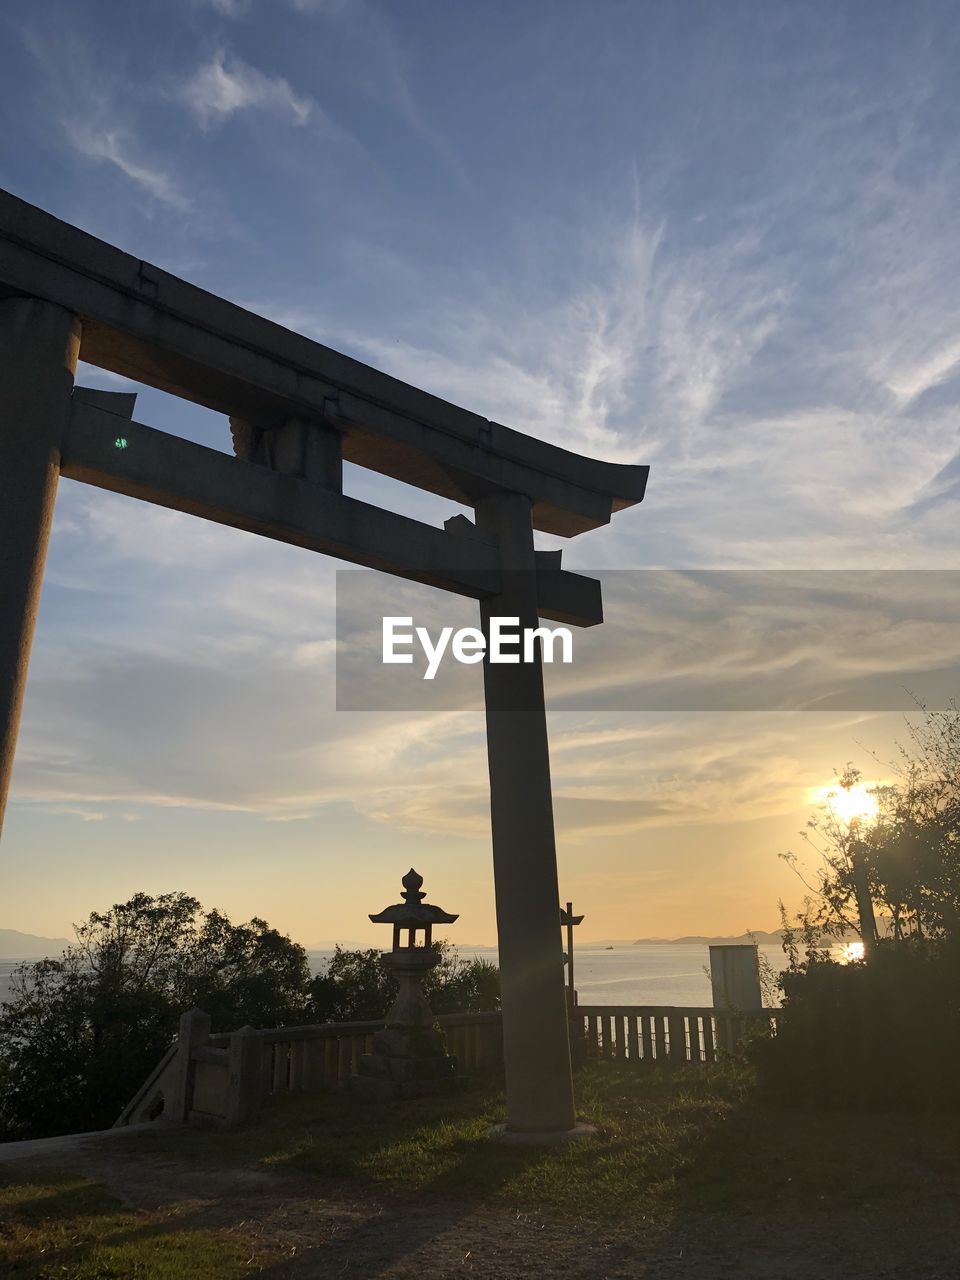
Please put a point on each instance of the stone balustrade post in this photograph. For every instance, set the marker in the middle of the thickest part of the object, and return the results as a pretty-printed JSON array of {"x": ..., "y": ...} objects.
[
  {"x": 314, "y": 1065},
  {"x": 245, "y": 1069},
  {"x": 194, "y": 1031}
]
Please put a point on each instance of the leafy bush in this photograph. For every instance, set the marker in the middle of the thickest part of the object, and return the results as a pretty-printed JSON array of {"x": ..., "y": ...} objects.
[{"x": 883, "y": 1034}]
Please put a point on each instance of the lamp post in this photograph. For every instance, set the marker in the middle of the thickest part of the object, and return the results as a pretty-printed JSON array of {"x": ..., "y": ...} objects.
[
  {"x": 578, "y": 1047},
  {"x": 568, "y": 919}
]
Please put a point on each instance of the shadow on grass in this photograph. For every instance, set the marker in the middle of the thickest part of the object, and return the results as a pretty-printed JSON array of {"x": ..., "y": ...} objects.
[
  {"x": 58, "y": 1224},
  {"x": 431, "y": 1164},
  {"x": 52, "y": 1196},
  {"x": 780, "y": 1191}
]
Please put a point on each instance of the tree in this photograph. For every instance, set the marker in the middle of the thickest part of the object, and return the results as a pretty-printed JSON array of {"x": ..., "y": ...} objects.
[
  {"x": 246, "y": 974},
  {"x": 355, "y": 988},
  {"x": 78, "y": 1034},
  {"x": 462, "y": 986},
  {"x": 910, "y": 855},
  {"x": 885, "y": 1032}
]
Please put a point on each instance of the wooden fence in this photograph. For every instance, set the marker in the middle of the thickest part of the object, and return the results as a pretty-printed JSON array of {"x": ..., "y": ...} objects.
[{"x": 663, "y": 1033}]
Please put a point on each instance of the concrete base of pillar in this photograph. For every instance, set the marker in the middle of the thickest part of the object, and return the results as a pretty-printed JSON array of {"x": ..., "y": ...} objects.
[{"x": 542, "y": 1138}]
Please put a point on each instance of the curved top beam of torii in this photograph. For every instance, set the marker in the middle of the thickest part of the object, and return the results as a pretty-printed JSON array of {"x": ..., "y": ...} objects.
[{"x": 150, "y": 326}]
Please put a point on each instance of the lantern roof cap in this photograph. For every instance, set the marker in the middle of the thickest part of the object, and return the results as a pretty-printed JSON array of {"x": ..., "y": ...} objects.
[
  {"x": 413, "y": 912},
  {"x": 567, "y": 918}
]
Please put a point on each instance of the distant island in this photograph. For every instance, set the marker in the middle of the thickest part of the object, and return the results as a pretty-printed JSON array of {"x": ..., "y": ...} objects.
[
  {"x": 761, "y": 936},
  {"x": 15, "y": 945},
  {"x": 764, "y": 938}
]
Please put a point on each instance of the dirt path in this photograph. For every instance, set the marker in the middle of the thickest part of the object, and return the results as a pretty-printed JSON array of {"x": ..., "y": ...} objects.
[{"x": 64, "y": 1144}]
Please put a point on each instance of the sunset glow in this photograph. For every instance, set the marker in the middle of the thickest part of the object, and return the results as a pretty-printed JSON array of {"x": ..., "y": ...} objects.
[{"x": 852, "y": 805}]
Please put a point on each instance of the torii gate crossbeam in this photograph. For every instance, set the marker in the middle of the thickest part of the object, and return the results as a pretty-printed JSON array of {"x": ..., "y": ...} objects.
[{"x": 298, "y": 409}]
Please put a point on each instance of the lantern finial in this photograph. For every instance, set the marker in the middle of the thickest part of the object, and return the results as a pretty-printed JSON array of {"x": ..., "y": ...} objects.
[{"x": 411, "y": 883}]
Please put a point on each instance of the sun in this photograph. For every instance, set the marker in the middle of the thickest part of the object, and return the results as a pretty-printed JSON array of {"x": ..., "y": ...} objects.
[
  {"x": 853, "y": 805},
  {"x": 853, "y": 951}
]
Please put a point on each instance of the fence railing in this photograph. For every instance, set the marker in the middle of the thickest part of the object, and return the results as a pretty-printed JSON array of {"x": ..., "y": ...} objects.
[
  {"x": 664, "y": 1033},
  {"x": 306, "y": 1059},
  {"x": 224, "y": 1078}
]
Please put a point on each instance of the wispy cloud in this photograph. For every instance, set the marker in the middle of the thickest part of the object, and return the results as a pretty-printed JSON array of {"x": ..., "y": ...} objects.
[
  {"x": 95, "y": 108},
  {"x": 627, "y": 362},
  {"x": 330, "y": 8},
  {"x": 111, "y": 146},
  {"x": 225, "y": 85},
  {"x": 377, "y": 47},
  {"x": 909, "y": 383},
  {"x": 230, "y": 8},
  {"x": 771, "y": 396},
  {"x": 85, "y": 815}
]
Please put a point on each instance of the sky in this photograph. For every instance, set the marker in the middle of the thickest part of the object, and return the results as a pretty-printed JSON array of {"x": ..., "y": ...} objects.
[{"x": 717, "y": 239}]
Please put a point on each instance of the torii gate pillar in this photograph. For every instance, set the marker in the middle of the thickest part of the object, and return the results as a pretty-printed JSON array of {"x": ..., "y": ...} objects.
[
  {"x": 535, "y": 1037},
  {"x": 39, "y": 345}
]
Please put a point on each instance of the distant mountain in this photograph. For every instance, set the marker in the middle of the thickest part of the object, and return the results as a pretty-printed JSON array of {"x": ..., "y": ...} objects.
[
  {"x": 758, "y": 935},
  {"x": 15, "y": 945},
  {"x": 765, "y": 939}
]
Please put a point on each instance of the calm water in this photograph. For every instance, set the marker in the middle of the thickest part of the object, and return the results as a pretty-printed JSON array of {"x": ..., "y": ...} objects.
[
  {"x": 648, "y": 974},
  {"x": 651, "y": 973}
]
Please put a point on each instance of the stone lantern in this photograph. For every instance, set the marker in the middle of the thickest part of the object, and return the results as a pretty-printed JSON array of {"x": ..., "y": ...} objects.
[{"x": 409, "y": 1056}]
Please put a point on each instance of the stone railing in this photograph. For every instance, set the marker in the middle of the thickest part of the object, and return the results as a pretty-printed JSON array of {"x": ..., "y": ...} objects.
[{"x": 223, "y": 1079}]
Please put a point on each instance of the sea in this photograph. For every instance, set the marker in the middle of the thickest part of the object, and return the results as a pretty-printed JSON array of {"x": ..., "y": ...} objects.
[{"x": 622, "y": 973}]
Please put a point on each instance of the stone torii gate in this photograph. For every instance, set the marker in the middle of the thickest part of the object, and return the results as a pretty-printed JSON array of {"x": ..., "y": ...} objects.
[{"x": 298, "y": 409}]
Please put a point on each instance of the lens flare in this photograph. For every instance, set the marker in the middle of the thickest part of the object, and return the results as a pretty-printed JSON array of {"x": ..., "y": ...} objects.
[{"x": 853, "y": 805}]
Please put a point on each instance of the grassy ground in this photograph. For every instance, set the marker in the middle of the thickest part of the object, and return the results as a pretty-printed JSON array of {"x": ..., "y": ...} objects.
[
  {"x": 65, "y": 1226},
  {"x": 650, "y": 1125},
  {"x": 689, "y": 1174}
]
